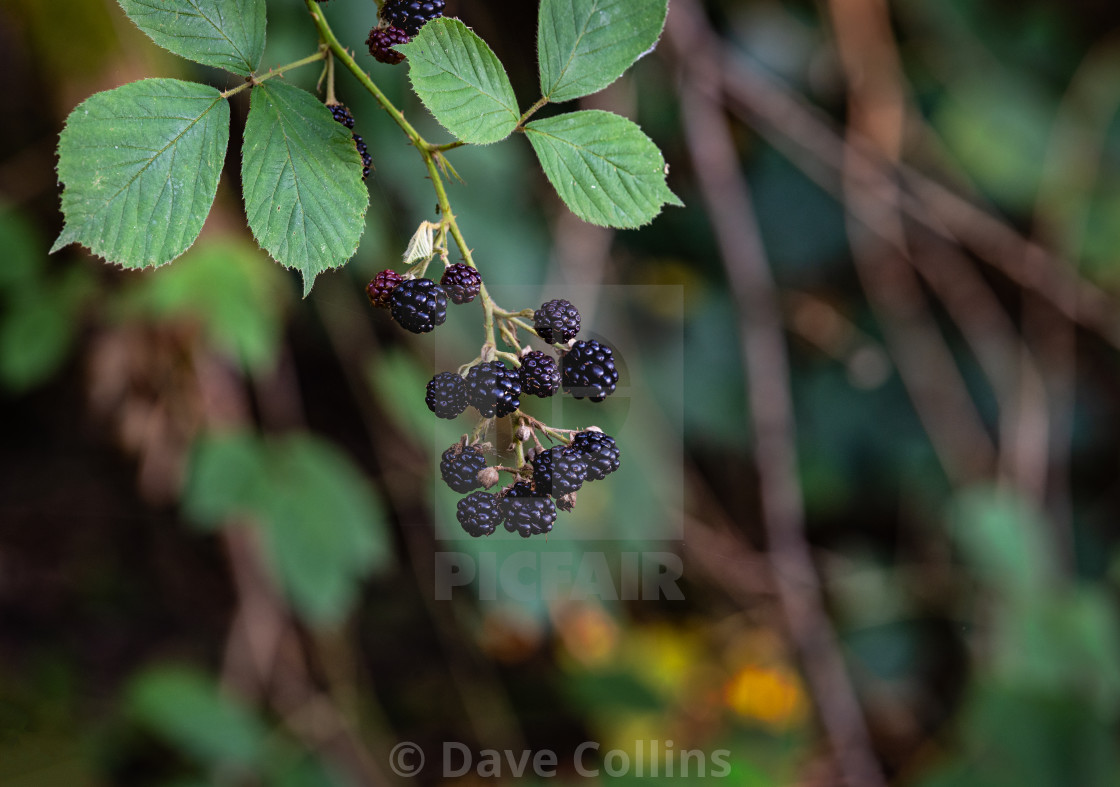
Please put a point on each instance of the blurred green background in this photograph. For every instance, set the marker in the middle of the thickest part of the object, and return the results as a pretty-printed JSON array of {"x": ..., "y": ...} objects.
[{"x": 218, "y": 503}]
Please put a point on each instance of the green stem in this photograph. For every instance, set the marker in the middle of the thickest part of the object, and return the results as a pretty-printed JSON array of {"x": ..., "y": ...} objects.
[
  {"x": 531, "y": 111},
  {"x": 274, "y": 72}
]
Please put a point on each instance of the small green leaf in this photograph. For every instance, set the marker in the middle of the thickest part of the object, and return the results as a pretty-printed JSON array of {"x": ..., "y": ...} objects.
[
  {"x": 302, "y": 181},
  {"x": 584, "y": 45},
  {"x": 140, "y": 165},
  {"x": 604, "y": 168},
  {"x": 461, "y": 82},
  {"x": 185, "y": 707},
  {"x": 226, "y": 477},
  {"x": 225, "y": 34}
]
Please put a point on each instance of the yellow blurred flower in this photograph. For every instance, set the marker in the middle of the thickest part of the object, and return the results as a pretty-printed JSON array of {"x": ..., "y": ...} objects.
[{"x": 771, "y": 695}]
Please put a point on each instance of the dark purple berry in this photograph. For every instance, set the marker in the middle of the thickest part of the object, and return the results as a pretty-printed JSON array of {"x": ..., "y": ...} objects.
[
  {"x": 493, "y": 389},
  {"x": 446, "y": 395},
  {"x": 418, "y": 305},
  {"x": 589, "y": 370},
  {"x": 460, "y": 466},
  {"x": 479, "y": 513},
  {"x": 602, "y": 452},
  {"x": 382, "y": 286},
  {"x": 410, "y": 15},
  {"x": 540, "y": 376},
  {"x": 381, "y": 41},
  {"x": 557, "y": 321},
  {"x": 462, "y": 282},
  {"x": 559, "y": 471},
  {"x": 525, "y": 512},
  {"x": 363, "y": 151},
  {"x": 341, "y": 113}
]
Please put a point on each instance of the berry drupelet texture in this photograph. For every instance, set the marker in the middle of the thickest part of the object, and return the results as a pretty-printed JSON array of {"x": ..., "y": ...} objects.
[
  {"x": 410, "y": 15},
  {"x": 559, "y": 471},
  {"x": 589, "y": 370},
  {"x": 381, "y": 287},
  {"x": 462, "y": 283},
  {"x": 446, "y": 395},
  {"x": 526, "y": 512},
  {"x": 540, "y": 376},
  {"x": 460, "y": 467},
  {"x": 418, "y": 305},
  {"x": 479, "y": 513},
  {"x": 363, "y": 151},
  {"x": 381, "y": 41},
  {"x": 493, "y": 389},
  {"x": 556, "y": 321},
  {"x": 602, "y": 452},
  {"x": 341, "y": 113}
]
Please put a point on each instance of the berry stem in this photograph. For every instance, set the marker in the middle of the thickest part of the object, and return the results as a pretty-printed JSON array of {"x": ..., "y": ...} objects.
[{"x": 331, "y": 98}]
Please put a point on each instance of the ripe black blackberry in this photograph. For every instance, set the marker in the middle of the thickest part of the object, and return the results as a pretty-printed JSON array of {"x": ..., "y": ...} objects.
[
  {"x": 462, "y": 282},
  {"x": 493, "y": 389},
  {"x": 341, "y": 113},
  {"x": 556, "y": 321},
  {"x": 526, "y": 512},
  {"x": 363, "y": 151},
  {"x": 539, "y": 374},
  {"x": 602, "y": 452},
  {"x": 588, "y": 370},
  {"x": 559, "y": 471},
  {"x": 382, "y": 286},
  {"x": 479, "y": 513},
  {"x": 410, "y": 15},
  {"x": 418, "y": 305},
  {"x": 381, "y": 41},
  {"x": 446, "y": 395},
  {"x": 460, "y": 466}
]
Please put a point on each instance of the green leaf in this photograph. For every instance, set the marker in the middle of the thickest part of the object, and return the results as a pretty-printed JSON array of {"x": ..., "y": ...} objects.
[
  {"x": 185, "y": 707},
  {"x": 140, "y": 167},
  {"x": 226, "y": 477},
  {"x": 604, "y": 168},
  {"x": 461, "y": 82},
  {"x": 302, "y": 181},
  {"x": 225, "y": 34},
  {"x": 584, "y": 45}
]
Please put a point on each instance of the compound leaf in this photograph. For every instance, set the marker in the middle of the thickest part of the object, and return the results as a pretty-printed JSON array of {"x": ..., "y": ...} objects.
[
  {"x": 584, "y": 45},
  {"x": 302, "y": 181},
  {"x": 139, "y": 167},
  {"x": 225, "y": 34},
  {"x": 604, "y": 168},
  {"x": 461, "y": 82}
]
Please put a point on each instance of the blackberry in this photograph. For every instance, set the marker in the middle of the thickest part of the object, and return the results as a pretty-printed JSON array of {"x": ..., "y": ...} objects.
[
  {"x": 559, "y": 471},
  {"x": 588, "y": 370},
  {"x": 363, "y": 151},
  {"x": 493, "y": 389},
  {"x": 462, "y": 282},
  {"x": 540, "y": 376},
  {"x": 602, "y": 452},
  {"x": 447, "y": 395},
  {"x": 410, "y": 15},
  {"x": 382, "y": 285},
  {"x": 479, "y": 513},
  {"x": 418, "y": 305},
  {"x": 381, "y": 41},
  {"x": 556, "y": 321},
  {"x": 460, "y": 466},
  {"x": 341, "y": 113},
  {"x": 525, "y": 512}
]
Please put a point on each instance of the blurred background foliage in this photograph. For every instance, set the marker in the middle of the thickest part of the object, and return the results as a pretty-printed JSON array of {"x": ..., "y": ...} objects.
[{"x": 218, "y": 508}]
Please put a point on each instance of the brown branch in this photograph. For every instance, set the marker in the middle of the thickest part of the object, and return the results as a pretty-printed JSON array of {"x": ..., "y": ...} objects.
[{"x": 768, "y": 386}]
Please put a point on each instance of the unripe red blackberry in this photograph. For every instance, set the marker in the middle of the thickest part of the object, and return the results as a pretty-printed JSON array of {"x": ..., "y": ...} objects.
[
  {"x": 418, "y": 305},
  {"x": 462, "y": 282},
  {"x": 381, "y": 41},
  {"x": 556, "y": 321},
  {"x": 493, "y": 389},
  {"x": 460, "y": 466},
  {"x": 446, "y": 395},
  {"x": 382, "y": 286},
  {"x": 540, "y": 376},
  {"x": 410, "y": 15},
  {"x": 589, "y": 370}
]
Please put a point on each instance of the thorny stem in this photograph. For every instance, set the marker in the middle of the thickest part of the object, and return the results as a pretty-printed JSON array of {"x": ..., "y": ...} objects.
[{"x": 254, "y": 80}]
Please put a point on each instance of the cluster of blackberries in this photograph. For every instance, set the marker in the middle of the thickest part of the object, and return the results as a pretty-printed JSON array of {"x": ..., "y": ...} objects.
[
  {"x": 527, "y": 507},
  {"x": 420, "y": 305},
  {"x": 342, "y": 114},
  {"x": 398, "y": 22}
]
